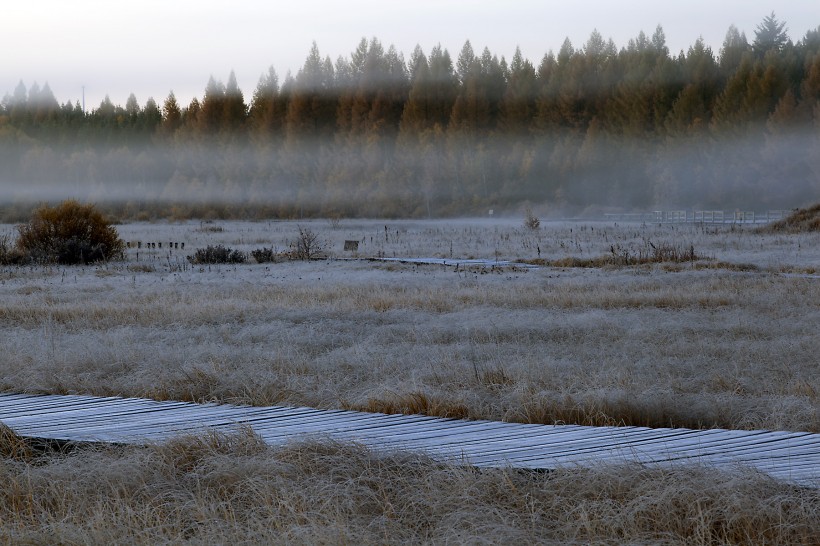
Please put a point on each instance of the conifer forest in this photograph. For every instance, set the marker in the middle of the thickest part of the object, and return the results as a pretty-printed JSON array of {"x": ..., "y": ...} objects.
[{"x": 591, "y": 128}]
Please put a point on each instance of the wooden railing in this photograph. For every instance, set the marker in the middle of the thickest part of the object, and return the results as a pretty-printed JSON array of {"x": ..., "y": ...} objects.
[{"x": 699, "y": 216}]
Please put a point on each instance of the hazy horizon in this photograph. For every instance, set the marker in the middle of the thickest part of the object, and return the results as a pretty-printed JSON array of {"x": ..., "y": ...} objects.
[
  {"x": 162, "y": 47},
  {"x": 376, "y": 133}
]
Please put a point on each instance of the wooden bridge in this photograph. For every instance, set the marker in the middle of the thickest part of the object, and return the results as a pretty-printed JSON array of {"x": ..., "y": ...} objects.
[{"x": 792, "y": 457}]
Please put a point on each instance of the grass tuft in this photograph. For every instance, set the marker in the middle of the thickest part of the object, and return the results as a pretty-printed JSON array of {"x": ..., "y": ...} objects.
[
  {"x": 415, "y": 403},
  {"x": 13, "y": 446},
  {"x": 613, "y": 413},
  {"x": 626, "y": 256}
]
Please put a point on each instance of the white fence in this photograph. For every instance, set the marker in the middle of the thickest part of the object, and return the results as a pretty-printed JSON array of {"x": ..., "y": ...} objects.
[{"x": 700, "y": 216}]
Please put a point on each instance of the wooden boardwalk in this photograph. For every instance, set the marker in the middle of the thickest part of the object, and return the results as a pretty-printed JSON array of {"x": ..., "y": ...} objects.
[{"x": 788, "y": 456}]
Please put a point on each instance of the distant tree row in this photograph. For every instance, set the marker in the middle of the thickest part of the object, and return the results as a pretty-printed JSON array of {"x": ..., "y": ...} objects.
[{"x": 375, "y": 134}]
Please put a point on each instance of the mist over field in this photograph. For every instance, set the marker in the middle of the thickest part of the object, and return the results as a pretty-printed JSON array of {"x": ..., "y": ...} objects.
[{"x": 587, "y": 130}]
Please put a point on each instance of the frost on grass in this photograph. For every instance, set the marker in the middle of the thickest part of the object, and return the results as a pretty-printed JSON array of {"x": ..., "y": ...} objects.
[
  {"x": 669, "y": 344},
  {"x": 232, "y": 488},
  {"x": 657, "y": 344},
  {"x": 800, "y": 221}
]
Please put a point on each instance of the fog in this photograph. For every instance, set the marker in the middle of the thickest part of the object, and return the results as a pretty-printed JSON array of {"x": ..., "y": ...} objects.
[
  {"x": 589, "y": 130},
  {"x": 555, "y": 174}
]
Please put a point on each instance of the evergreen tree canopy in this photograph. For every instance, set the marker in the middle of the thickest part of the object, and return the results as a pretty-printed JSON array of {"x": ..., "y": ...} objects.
[
  {"x": 592, "y": 128},
  {"x": 770, "y": 35}
]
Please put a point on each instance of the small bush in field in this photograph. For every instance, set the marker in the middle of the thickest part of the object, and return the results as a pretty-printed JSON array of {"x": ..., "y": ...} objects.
[
  {"x": 69, "y": 233},
  {"x": 217, "y": 254},
  {"x": 263, "y": 255},
  {"x": 307, "y": 246},
  {"x": 531, "y": 221},
  {"x": 9, "y": 254}
]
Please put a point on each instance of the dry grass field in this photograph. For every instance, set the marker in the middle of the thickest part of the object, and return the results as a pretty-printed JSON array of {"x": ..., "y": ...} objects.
[
  {"x": 234, "y": 489},
  {"x": 718, "y": 328}
]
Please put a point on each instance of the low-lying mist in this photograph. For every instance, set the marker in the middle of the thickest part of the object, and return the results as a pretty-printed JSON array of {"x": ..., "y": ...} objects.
[{"x": 556, "y": 174}]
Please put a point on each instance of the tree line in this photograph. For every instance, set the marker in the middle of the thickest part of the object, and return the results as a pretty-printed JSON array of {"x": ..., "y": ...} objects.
[{"x": 592, "y": 128}]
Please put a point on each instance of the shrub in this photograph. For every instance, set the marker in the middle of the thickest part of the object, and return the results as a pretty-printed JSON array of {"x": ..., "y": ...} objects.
[
  {"x": 69, "y": 233},
  {"x": 263, "y": 255},
  {"x": 217, "y": 254},
  {"x": 307, "y": 246},
  {"x": 531, "y": 221},
  {"x": 9, "y": 254}
]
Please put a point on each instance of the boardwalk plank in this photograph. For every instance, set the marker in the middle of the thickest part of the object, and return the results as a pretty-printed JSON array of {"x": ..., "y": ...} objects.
[{"x": 787, "y": 456}]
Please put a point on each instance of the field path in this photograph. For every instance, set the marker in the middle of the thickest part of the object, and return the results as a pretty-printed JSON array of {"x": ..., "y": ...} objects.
[{"x": 792, "y": 457}]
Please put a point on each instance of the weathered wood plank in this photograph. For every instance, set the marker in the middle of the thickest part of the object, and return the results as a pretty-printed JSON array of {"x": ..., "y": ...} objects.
[{"x": 789, "y": 456}]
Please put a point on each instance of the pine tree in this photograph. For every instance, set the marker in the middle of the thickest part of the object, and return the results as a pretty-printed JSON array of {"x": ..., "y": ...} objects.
[
  {"x": 735, "y": 46},
  {"x": 432, "y": 90},
  {"x": 313, "y": 100},
  {"x": 171, "y": 115},
  {"x": 211, "y": 113},
  {"x": 443, "y": 87},
  {"x": 692, "y": 108},
  {"x": 132, "y": 110},
  {"x": 547, "y": 118},
  {"x": 416, "y": 113},
  {"x": 234, "y": 110},
  {"x": 386, "y": 111},
  {"x": 44, "y": 104},
  {"x": 18, "y": 106},
  {"x": 494, "y": 78},
  {"x": 466, "y": 59},
  {"x": 810, "y": 88},
  {"x": 266, "y": 114},
  {"x": 191, "y": 115},
  {"x": 150, "y": 118},
  {"x": 518, "y": 104},
  {"x": 471, "y": 110},
  {"x": 769, "y": 35},
  {"x": 730, "y": 105}
]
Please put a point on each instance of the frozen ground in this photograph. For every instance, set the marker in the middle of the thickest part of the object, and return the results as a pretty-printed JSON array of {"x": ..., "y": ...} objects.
[
  {"x": 497, "y": 239},
  {"x": 733, "y": 346}
]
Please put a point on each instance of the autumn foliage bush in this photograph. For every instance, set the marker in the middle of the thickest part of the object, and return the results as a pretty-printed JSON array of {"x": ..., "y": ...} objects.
[{"x": 68, "y": 233}]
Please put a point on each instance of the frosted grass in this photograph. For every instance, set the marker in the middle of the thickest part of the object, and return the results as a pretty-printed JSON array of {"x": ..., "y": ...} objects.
[{"x": 658, "y": 345}]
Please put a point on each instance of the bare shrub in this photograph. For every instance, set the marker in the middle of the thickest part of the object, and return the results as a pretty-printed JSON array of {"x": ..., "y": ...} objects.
[
  {"x": 69, "y": 233},
  {"x": 217, "y": 254},
  {"x": 307, "y": 246},
  {"x": 531, "y": 221},
  {"x": 9, "y": 254}
]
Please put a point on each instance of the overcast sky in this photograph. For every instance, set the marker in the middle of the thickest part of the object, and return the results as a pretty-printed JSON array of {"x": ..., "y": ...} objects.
[{"x": 150, "y": 47}]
